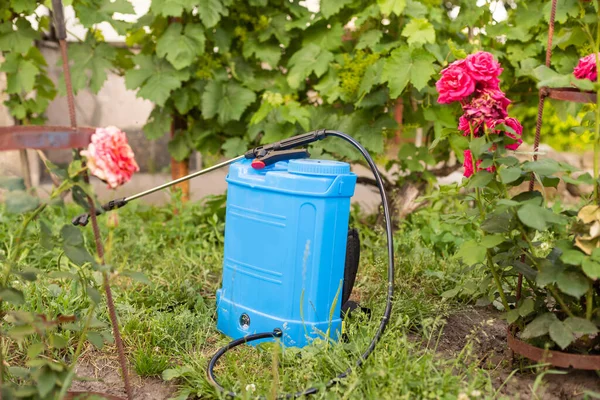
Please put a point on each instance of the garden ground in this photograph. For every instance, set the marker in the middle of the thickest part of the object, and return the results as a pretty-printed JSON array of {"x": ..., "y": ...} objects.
[{"x": 433, "y": 348}]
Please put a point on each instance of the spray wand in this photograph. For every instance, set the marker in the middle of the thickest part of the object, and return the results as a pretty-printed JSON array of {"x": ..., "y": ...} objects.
[{"x": 263, "y": 156}]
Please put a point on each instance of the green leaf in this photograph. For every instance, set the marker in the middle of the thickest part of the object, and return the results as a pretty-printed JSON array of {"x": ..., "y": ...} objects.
[
  {"x": 211, "y": 12},
  {"x": 572, "y": 257},
  {"x": 12, "y": 296},
  {"x": 18, "y": 202},
  {"x": 405, "y": 65},
  {"x": 544, "y": 167},
  {"x": 78, "y": 254},
  {"x": 21, "y": 331},
  {"x": 573, "y": 283},
  {"x": 481, "y": 179},
  {"x": 418, "y": 32},
  {"x": 372, "y": 77},
  {"x": 91, "y": 61},
  {"x": 471, "y": 253},
  {"x": 539, "y": 326},
  {"x": 331, "y": 7},
  {"x": 94, "y": 294},
  {"x": 46, "y": 382},
  {"x": 156, "y": 78},
  {"x": 233, "y": 147},
  {"x": 178, "y": 147},
  {"x": 227, "y": 100},
  {"x": 12, "y": 183},
  {"x": 267, "y": 52},
  {"x": 57, "y": 341},
  {"x": 71, "y": 235},
  {"x": 498, "y": 223},
  {"x": 581, "y": 326},
  {"x": 548, "y": 274},
  {"x": 527, "y": 307},
  {"x": 369, "y": 39},
  {"x": 388, "y": 7},
  {"x": 96, "y": 339},
  {"x": 181, "y": 48},
  {"x": 491, "y": 241},
  {"x": 171, "y": 8},
  {"x": 591, "y": 268},
  {"x": 561, "y": 334},
  {"x": 533, "y": 216},
  {"x": 137, "y": 276},
  {"x": 552, "y": 79},
  {"x": 17, "y": 40},
  {"x": 20, "y": 74},
  {"x": 479, "y": 146},
  {"x": 91, "y": 13},
  {"x": 511, "y": 174},
  {"x": 158, "y": 124},
  {"x": 310, "y": 58}
]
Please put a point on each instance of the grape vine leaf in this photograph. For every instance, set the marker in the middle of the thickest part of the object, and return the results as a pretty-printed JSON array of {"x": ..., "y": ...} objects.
[
  {"x": 19, "y": 40},
  {"x": 211, "y": 12},
  {"x": 331, "y": 7},
  {"x": 369, "y": 39},
  {"x": 21, "y": 73},
  {"x": 405, "y": 65},
  {"x": 91, "y": 61},
  {"x": 233, "y": 147},
  {"x": 388, "y": 7},
  {"x": 171, "y": 8},
  {"x": 181, "y": 48},
  {"x": 156, "y": 78},
  {"x": 158, "y": 123},
  {"x": 91, "y": 13},
  {"x": 227, "y": 100},
  {"x": 266, "y": 52},
  {"x": 418, "y": 32},
  {"x": 326, "y": 36},
  {"x": 179, "y": 148},
  {"x": 308, "y": 59}
]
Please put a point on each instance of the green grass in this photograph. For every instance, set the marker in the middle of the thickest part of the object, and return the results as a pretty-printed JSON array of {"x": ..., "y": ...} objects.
[{"x": 169, "y": 329}]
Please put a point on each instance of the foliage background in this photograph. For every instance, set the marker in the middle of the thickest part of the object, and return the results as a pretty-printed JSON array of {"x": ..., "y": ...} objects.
[{"x": 232, "y": 73}]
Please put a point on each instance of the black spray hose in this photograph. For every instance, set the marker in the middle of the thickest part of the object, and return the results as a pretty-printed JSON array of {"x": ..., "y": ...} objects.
[{"x": 390, "y": 290}]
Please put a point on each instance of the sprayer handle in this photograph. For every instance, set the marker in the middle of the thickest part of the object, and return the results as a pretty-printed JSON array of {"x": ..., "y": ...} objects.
[
  {"x": 83, "y": 219},
  {"x": 286, "y": 144}
]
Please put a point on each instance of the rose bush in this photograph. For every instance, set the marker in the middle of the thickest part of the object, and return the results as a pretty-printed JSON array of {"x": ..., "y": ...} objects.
[{"x": 521, "y": 236}]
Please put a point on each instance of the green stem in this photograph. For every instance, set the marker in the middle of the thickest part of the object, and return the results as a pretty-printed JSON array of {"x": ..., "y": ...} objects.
[
  {"x": 1, "y": 350},
  {"x": 589, "y": 303},
  {"x": 71, "y": 374},
  {"x": 497, "y": 280},
  {"x": 597, "y": 135},
  {"x": 560, "y": 301}
]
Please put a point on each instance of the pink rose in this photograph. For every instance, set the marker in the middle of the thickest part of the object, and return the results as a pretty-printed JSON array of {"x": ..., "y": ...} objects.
[
  {"x": 109, "y": 156},
  {"x": 586, "y": 69},
  {"x": 455, "y": 84},
  {"x": 483, "y": 67},
  {"x": 468, "y": 163}
]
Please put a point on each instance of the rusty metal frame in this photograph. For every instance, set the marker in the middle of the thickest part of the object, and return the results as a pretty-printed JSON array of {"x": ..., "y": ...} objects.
[
  {"x": 553, "y": 357},
  {"x": 572, "y": 95},
  {"x": 21, "y": 137}
]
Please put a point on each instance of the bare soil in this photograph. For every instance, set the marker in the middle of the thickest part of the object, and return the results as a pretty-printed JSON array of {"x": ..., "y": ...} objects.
[
  {"x": 515, "y": 378},
  {"x": 102, "y": 375}
]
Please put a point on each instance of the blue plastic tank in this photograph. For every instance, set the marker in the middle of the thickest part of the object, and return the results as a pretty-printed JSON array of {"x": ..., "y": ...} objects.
[{"x": 285, "y": 243}]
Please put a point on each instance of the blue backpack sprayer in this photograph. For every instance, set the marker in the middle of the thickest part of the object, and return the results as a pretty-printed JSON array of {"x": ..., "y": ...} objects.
[{"x": 290, "y": 259}]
